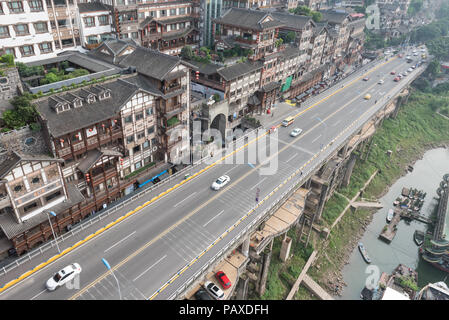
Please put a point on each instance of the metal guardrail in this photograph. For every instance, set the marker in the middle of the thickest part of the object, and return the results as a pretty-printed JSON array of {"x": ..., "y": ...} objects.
[
  {"x": 98, "y": 217},
  {"x": 263, "y": 215}
]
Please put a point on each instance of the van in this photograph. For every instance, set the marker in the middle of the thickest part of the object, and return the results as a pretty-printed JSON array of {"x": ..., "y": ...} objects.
[{"x": 287, "y": 121}]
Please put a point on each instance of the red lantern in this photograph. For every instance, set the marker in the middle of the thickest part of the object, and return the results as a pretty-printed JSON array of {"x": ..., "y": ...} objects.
[
  {"x": 197, "y": 75},
  {"x": 115, "y": 120},
  {"x": 90, "y": 130},
  {"x": 61, "y": 140},
  {"x": 103, "y": 125},
  {"x": 87, "y": 177}
]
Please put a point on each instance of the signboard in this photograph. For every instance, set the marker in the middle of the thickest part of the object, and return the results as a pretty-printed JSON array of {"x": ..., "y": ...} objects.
[{"x": 287, "y": 84}]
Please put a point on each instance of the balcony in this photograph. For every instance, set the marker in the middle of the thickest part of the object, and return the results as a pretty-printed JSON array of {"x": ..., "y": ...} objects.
[
  {"x": 172, "y": 87},
  {"x": 151, "y": 36},
  {"x": 4, "y": 202},
  {"x": 172, "y": 111},
  {"x": 64, "y": 151}
]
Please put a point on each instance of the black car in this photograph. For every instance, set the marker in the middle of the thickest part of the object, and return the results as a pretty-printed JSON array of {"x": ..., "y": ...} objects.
[{"x": 202, "y": 295}]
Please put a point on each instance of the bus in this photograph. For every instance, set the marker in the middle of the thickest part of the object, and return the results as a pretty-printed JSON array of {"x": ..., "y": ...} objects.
[{"x": 287, "y": 121}]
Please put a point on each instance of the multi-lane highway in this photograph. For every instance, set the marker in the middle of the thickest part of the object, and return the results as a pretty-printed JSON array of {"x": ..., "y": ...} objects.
[{"x": 153, "y": 245}]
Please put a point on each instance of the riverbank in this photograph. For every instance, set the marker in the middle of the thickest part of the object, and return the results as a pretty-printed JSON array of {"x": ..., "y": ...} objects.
[{"x": 416, "y": 129}]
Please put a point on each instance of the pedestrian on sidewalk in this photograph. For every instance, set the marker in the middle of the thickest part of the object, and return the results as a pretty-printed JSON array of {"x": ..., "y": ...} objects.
[{"x": 272, "y": 114}]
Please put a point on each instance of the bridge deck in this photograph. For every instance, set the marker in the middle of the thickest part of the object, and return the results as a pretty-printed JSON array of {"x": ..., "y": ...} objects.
[{"x": 316, "y": 288}]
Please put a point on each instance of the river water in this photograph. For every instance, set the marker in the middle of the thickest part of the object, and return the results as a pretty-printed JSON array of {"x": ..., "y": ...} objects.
[{"x": 426, "y": 176}]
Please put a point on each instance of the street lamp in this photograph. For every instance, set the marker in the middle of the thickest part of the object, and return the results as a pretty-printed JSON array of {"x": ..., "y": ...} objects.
[
  {"x": 106, "y": 263},
  {"x": 53, "y": 231}
]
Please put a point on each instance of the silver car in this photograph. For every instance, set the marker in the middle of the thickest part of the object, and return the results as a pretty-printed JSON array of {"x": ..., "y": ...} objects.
[
  {"x": 296, "y": 132},
  {"x": 214, "y": 290},
  {"x": 220, "y": 182}
]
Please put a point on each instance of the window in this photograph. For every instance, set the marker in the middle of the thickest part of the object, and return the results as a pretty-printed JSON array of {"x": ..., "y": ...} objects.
[
  {"x": 140, "y": 135},
  {"x": 136, "y": 149},
  {"x": 150, "y": 130},
  {"x": 138, "y": 165},
  {"x": 63, "y": 22},
  {"x": 129, "y": 119},
  {"x": 27, "y": 50},
  {"x": 182, "y": 10},
  {"x": 141, "y": 15},
  {"x": 35, "y": 5},
  {"x": 149, "y": 111},
  {"x": 1, "y": 8},
  {"x": 103, "y": 20},
  {"x": 45, "y": 47},
  {"x": 30, "y": 207},
  {"x": 10, "y": 51},
  {"x": 152, "y": 13},
  {"x": 21, "y": 29},
  {"x": 163, "y": 13},
  {"x": 15, "y": 6},
  {"x": 173, "y": 12},
  {"x": 134, "y": 35},
  {"x": 89, "y": 22},
  {"x": 173, "y": 26},
  {"x": 41, "y": 27},
  {"x": 130, "y": 139},
  {"x": 146, "y": 145},
  {"x": 4, "y": 32},
  {"x": 139, "y": 116},
  {"x": 52, "y": 196},
  {"x": 92, "y": 39}
]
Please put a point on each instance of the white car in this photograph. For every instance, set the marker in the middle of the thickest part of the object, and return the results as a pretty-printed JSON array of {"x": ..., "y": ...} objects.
[
  {"x": 405, "y": 73},
  {"x": 415, "y": 54},
  {"x": 381, "y": 81},
  {"x": 63, "y": 276},
  {"x": 296, "y": 132},
  {"x": 409, "y": 69},
  {"x": 220, "y": 182},
  {"x": 214, "y": 290}
]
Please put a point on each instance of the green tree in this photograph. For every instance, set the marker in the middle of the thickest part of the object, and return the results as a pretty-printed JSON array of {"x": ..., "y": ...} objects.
[
  {"x": 187, "y": 52},
  {"x": 414, "y": 7},
  {"x": 8, "y": 59}
]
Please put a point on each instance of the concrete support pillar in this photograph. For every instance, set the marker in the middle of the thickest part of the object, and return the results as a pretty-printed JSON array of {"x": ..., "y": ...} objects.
[
  {"x": 245, "y": 247},
  {"x": 266, "y": 266},
  {"x": 308, "y": 183},
  {"x": 323, "y": 195},
  {"x": 349, "y": 168},
  {"x": 345, "y": 150},
  {"x": 285, "y": 248}
]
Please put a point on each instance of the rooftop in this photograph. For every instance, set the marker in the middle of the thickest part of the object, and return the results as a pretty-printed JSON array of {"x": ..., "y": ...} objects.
[{"x": 247, "y": 18}]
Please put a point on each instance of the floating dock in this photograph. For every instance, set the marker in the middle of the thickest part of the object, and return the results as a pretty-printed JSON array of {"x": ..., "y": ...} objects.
[{"x": 389, "y": 231}]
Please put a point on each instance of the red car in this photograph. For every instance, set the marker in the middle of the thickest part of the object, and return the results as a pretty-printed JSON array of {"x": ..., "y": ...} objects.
[
  {"x": 397, "y": 79},
  {"x": 392, "y": 72},
  {"x": 223, "y": 279}
]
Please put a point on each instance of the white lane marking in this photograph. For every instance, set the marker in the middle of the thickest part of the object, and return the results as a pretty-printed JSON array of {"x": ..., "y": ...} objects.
[
  {"x": 184, "y": 200},
  {"x": 258, "y": 183},
  {"x": 38, "y": 294},
  {"x": 150, "y": 267},
  {"x": 314, "y": 116},
  {"x": 316, "y": 138},
  {"x": 336, "y": 123},
  {"x": 292, "y": 157},
  {"x": 212, "y": 218},
  {"x": 129, "y": 235},
  {"x": 230, "y": 170}
]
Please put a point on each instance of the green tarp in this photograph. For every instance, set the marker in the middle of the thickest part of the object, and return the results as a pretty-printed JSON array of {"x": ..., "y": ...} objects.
[{"x": 287, "y": 84}]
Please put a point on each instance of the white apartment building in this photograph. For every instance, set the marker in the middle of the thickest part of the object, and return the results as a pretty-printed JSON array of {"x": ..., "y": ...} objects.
[
  {"x": 95, "y": 21},
  {"x": 36, "y": 29},
  {"x": 25, "y": 30}
]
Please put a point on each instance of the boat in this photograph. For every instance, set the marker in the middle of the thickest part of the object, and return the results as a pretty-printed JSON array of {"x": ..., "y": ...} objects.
[
  {"x": 397, "y": 201},
  {"x": 418, "y": 237},
  {"x": 364, "y": 253},
  {"x": 390, "y": 215}
]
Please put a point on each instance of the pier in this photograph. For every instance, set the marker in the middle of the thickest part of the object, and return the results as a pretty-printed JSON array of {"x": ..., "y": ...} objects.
[{"x": 389, "y": 231}]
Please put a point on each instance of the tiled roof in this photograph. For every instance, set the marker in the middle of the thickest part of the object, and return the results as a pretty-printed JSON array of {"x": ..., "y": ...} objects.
[
  {"x": 92, "y": 7},
  {"x": 292, "y": 20},
  {"x": 333, "y": 16},
  {"x": 238, "y": 69},
  {"x": 88, "y": 114},
  {"x": 247, "y": 18}
]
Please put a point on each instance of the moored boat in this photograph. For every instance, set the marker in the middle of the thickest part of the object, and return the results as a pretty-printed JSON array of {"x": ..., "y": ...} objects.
[
  {"x": 364, "y": 253},
  {"x": 390, "y": 215},
  {"x": 418, "y": 237}
]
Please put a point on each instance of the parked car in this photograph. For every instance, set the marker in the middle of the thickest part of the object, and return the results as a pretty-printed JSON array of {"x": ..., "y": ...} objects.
[
  {"x": 397, "y": 79},
  {"x": 366, "y": 79},
  {"x": 63, "y": 276},
  {"x": 393, "y": 72},
  {"x": 381, "y": 81},
  {"x": 223, "y": 279},
  {"x": 220, "y": 182},
  {"x": 296, "y": 132},
  {"x": 214, "y": 291},
  {"x": 202, "y": 295},
  {"x": 367, "y": 96}
]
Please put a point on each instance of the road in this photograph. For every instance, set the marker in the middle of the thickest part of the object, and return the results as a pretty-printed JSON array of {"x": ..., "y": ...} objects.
[{"x": 148, "y": 248}]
